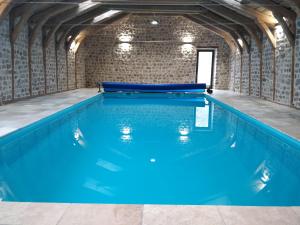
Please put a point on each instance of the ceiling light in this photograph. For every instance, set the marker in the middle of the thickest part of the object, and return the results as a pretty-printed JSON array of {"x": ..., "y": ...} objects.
[
  {"x": 87, "y": 5},
  {"x": 240, "y": 41},
  {"x": 154, "y": 22},
  {"x": 105, "y": 15}
]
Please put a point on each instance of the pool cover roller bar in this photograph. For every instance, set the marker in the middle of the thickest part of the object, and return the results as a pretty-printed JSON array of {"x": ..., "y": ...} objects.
[{"x": 157, "y": 88}]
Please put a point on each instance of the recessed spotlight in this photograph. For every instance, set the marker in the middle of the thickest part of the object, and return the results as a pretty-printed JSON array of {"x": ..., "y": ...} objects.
[{"x": 154, "y": 22}]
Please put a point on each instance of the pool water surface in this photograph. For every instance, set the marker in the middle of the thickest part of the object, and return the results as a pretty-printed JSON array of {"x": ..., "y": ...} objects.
[{"x": 150, "y": 149}]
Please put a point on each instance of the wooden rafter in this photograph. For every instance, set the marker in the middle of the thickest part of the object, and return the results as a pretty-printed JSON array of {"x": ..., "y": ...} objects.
[
  {"x": 234, "y": 35},
  {"x": 268, "y": 32},
  {"x": 68, "y": 25},
  {"x": 295, "y": 5},
  {"x": 237, "y": 18},
  {"x": 155, "y": 8},
  {"x": 232, "y": 42},
  {"x": 263, "y": 21},
  {"x": 19, "y": 17},
  {"x": 248, "y": 11},
  {"x": 5, "y": 7},
  {"x": 276, "y": 8},
  {"x": 280, "y": 13},
  {"x": 51, "y": 26},
  {"x": 39, "y": 19},
  {"x": 236, "y": 30},
  {"x": 76, "y": 30},
  {"x": 289, "y": 34}
]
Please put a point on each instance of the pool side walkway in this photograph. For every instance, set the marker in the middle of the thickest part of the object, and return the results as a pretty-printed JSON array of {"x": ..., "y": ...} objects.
[
  {"x": 17, "y": 115},
  {"x": 283, "y": 118}
]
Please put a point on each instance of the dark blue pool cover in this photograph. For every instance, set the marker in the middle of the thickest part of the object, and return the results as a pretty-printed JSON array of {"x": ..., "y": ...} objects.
[{"x": 118, "y": 86}]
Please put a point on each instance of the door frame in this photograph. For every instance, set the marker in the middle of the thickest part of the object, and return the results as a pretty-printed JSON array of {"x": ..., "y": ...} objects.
[{"x": 213, "y": 50}]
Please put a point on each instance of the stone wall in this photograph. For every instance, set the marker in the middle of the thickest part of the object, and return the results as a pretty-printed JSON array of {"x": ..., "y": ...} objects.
[
  {"x": 51, "y": 84},
  {"x": 283, "y": 68},
  {"x": 237, "y": 70},
  {"x": 297, "y": 66},
  {"x": 71, "y": 70},
  {"x": 255, "y": 70},
  {"x": 27, "y": 71},
  {"x": 80, "y": 67},
  {"x": 245, "y": 73},
  {"x": 37, "y": 67},
  {"x": 232, "y": 62},
  {"x": 271, "y": 70},
  {"x": 21, "y": 72},
  {"x": 134, "y": 50},
  {"x": 267, "y": 70},
  {"x": 5, "y": 63},
  {"x": 62, "y": 69}
]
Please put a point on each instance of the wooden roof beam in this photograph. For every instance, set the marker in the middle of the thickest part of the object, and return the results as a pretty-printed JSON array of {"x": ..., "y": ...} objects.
[
  {"x": 237, "y": 18},
  {"x": 248, "y": 11},
  {"x": 76, "y": 30},
  {"x": 259, "y": 19},
  {"x": 156, "y": 8},
  {"x": 282, "y": 14},
  {"x": 230, "y": 40},
  {"x": 150, "y": 2},
  {"x": 68, "y": 25},
  {"x": 233, "y": 32},
  {"x": 236, "y": 28},
  {"x": 276, "y": 9},
  {"x": 268, "y": 32},
  {"x": 289, "y": 34},
  {"x": 52, "y": 24},
  {"x": 20, "y": 15},
  {"x": 38, "y": 20},
  {"x": 295, "y": 5},
  {"x": 5, "y": 7}
]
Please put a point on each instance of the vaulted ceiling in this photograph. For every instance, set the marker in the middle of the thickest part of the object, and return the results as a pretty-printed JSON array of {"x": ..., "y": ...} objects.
[{"x": 237, "y": 21}]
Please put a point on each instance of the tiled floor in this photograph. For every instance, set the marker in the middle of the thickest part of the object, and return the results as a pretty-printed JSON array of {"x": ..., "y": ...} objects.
[
  {"x": 17, "y": 115},
  {"x": 100, "y": 214}
]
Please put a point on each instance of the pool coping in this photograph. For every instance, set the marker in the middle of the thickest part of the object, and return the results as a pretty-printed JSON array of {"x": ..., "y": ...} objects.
[
  {"x": 12, "y": 213},
  {"x": 55, "y": 116},
  {"x": 264, "y": 126}
]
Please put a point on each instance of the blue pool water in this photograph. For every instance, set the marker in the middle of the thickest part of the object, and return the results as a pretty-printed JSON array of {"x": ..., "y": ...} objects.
[{"x": 150, "y": 148}]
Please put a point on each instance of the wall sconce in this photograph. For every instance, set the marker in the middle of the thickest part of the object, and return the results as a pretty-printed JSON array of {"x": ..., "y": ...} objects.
[
  {"x": 187, "y": 38},
  {"x": 125, "y": 37},
  {"x": 187, "y": 49},
  {"x": 125, "y": 47}
]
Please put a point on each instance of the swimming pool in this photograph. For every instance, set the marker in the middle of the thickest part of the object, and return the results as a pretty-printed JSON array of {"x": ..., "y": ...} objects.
[{"x": 150, "y": 149}]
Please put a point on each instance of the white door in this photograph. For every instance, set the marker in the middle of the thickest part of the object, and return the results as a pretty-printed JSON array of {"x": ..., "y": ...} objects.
[{"x": 205, "y": 66}]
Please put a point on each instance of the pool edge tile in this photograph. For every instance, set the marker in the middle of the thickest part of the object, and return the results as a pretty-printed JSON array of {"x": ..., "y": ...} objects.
[
  {"x": 104, "y": 214},
  {"x": 250, "y": 215},
  {"x": 181, "y": 215}
]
